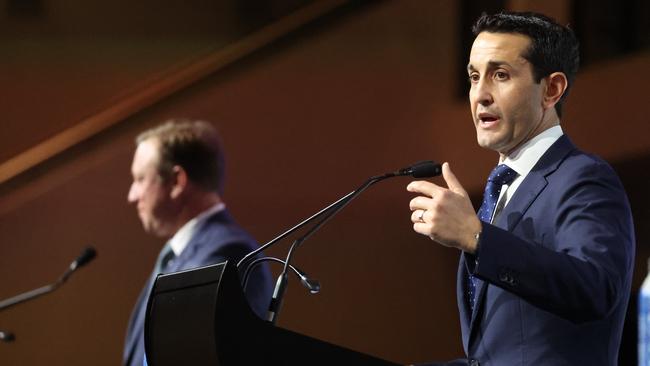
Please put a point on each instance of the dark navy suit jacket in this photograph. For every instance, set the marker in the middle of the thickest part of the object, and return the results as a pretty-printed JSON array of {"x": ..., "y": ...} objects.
[
  {"x": 218, "y": 239},
  {"x": 555, "y": 268}
]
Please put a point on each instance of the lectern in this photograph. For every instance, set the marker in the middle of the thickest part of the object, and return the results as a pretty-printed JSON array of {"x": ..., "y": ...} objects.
[{"x": 200, "y": 317}]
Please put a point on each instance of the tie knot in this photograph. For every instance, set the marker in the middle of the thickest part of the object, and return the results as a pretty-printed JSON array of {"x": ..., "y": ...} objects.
[
  {"x": 165, "y": 256},
  {"x": 502, "y": 174}
]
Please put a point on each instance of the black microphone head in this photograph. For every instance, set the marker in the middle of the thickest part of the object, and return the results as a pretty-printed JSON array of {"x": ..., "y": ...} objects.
[
  {"x": 7, "y": 336},
  {"x": 86, "y": 256},
  {"x": 425, "y": 169}
]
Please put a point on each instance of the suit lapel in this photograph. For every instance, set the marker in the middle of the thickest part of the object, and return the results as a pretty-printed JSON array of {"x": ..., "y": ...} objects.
[
  {"x": 525, "y": 195},
  {"x": 534, "y": 183},
  {"x": 197, "y": 241},
  {"x": 528, "y": 191}
]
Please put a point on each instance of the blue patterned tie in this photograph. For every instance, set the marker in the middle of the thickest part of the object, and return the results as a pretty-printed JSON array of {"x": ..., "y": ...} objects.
[
  {"x": 501, "y": 175},
  {"x": 165, "y": 256}
]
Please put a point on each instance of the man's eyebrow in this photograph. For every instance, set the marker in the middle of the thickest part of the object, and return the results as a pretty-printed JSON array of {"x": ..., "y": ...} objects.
[{"x": 495, "y": 64}]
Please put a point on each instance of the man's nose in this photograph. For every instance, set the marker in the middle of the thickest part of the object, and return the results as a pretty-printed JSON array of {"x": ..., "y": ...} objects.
[
  {"x": 132, "y": 196},
  {"x": 483, "y": 93}
]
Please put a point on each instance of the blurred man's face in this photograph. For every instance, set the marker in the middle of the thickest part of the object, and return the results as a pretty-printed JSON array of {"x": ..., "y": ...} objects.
[
  {"x": 150, "y": 192},
  {"x": 506, "y": 101}
]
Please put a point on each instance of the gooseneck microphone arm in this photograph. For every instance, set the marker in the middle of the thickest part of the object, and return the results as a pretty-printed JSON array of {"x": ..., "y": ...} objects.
[
  {"x": 281, "y": 283},
  {"x": 418, "y": 170},
  {"x": 86, "y": 256},
  {"x": 311, "y": 284},
  {"x": 250, "y": 255},
  {"x": 422, "y": 169}
]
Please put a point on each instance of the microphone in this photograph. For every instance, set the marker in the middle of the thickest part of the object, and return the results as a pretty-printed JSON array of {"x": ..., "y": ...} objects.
[
  {"x": 418, "y": 170},
  {"x": 7, "y": 336},
  {"x": 422, "y": 169},
  {"x": 84, "y": 258}
]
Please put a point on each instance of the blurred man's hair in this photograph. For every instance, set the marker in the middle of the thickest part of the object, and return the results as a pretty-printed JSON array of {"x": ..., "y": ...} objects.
[{"x": 192, "y": 144}]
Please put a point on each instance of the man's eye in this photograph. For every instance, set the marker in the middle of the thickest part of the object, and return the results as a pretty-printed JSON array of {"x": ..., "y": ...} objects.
[
  {"x": 473, "y": 78},
  {"x": 500, "y": 75}
]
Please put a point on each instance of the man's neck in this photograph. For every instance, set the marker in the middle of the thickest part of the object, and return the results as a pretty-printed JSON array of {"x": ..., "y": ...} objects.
[
  {"x": 547, "y": 122},
  {"x": 193, "y": 206}
]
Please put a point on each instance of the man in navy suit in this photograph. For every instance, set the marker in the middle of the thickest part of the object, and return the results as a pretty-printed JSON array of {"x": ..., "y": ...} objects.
[
  {"x": 545, "y": 270},
  {"x": 178, "y": 170}
]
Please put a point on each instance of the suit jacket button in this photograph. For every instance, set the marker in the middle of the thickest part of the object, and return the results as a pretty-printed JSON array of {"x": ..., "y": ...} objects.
[
  {"x": 473, "y": 362},
  {"x": 504, "y": 276}
]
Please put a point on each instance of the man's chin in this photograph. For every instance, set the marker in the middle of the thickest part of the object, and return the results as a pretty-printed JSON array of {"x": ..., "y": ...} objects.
[
  {"x": 157, "y": 232},
  {"x": 150, "y": 229},
  {"x": 490, "y": 142},
  {"x": 486, "y": 143}
]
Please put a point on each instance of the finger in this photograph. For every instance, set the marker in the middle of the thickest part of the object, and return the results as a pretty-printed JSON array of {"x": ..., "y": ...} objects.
[
  {"x": 451, "y": 180},
  {"x": 420, "y": 203},
  {"x": 418, "y": 216},
  {"x": 424, "y": 187},
  {"x": 422, "y": 228}
]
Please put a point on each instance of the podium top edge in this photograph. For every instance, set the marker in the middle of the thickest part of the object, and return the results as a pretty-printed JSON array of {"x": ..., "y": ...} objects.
[{"x": 189, "y": 278}]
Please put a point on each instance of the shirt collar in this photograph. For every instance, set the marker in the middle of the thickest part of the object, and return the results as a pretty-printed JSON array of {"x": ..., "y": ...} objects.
[
  {"x": 524, "y": 158},
  {"x": 182, "y": 237}
]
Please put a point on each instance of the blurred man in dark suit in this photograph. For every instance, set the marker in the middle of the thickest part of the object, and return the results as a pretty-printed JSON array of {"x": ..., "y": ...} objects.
[{"x": 178, "y": 173}]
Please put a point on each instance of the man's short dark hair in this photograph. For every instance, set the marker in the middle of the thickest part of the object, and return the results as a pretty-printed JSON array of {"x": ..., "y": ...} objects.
[
  {"x": 195, "y": 146},
  {"x": 553, "y": 47}
]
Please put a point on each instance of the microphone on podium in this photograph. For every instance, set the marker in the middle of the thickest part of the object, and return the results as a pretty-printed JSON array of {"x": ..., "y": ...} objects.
[
  {"x": 423, "y": 169},
  {"x": 84, "y": 258}
]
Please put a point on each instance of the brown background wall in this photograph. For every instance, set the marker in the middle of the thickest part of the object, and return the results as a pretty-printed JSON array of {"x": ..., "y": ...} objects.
[{"x": 304, "y": 121}]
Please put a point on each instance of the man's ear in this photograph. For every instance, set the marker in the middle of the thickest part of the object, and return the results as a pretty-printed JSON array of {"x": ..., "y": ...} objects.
[
  {"x": 556, "y": 85},
  {"x": 179, "y": 181}
]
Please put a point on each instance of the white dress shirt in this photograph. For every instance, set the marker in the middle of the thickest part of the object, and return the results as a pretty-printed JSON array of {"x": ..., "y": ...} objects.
[
  {"x": 522, "y": 161},
  {"x": 182, "y": 237}
]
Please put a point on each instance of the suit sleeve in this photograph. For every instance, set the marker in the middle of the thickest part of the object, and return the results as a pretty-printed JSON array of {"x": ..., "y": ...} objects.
[{"x": 578, "y": 262}]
